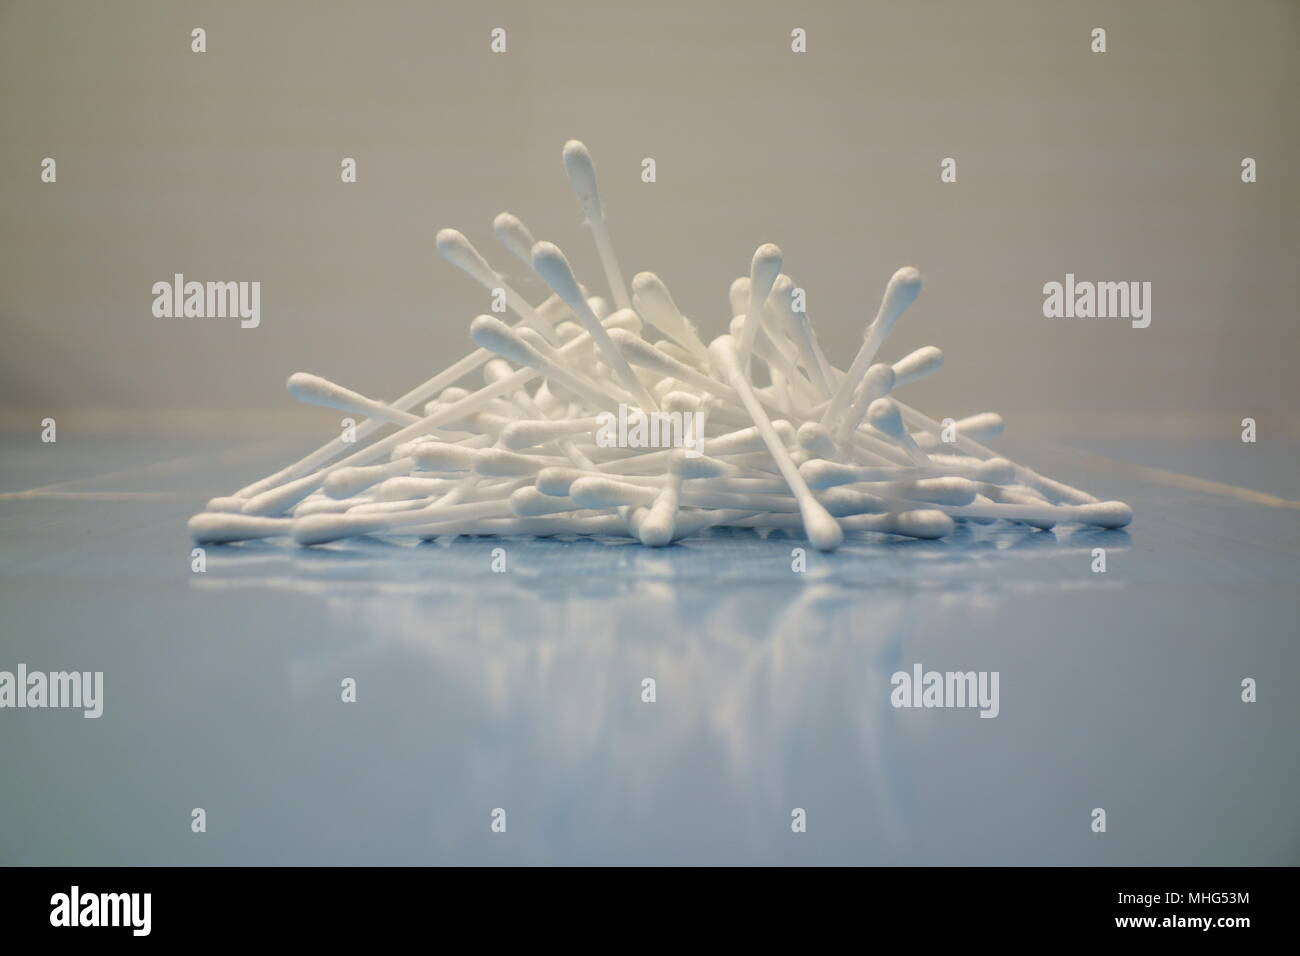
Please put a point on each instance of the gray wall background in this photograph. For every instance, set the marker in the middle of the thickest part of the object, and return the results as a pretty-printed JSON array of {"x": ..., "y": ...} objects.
[{"x": 225, "y": 165}]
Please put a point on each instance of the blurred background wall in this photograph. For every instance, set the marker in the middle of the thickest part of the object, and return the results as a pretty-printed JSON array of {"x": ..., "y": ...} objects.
[{"x": 225, "y": 166}]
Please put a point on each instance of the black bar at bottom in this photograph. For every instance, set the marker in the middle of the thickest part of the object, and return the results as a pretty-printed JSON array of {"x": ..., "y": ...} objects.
[{"x": 89, "y": 905}]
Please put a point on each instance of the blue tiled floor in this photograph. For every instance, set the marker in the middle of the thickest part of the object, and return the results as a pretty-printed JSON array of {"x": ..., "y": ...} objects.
[{"x": 522, "y": 690}]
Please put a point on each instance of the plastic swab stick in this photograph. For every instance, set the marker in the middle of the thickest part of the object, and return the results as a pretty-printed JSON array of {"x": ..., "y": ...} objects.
[
  {"x": 550, "y": 264},
  {"x": 763, "y": 270},
  {"x": 885, "y": 418},
  {"x": 460, "y": 252},
  {"x": 823, "y": 533},
  {"x": 651, "y": 299},
  {"x": 903, "y": 288},
  {"x": 315, "y": 390},
  {"x": 581, "y": 171}
]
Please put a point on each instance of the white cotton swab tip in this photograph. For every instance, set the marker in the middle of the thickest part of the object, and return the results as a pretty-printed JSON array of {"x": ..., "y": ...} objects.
[
  {"x": 315, "y": 390},
  {"x": 994, "y": 471},
  {"x": 592, "y": 492},
  {"x": 824, "y": 532},
  {"x": 223, "y": 527},
  {"x": 460, "y": 252},
  {"x": 532, "y": 503},
  {"x": 738, "y": 295},
  {"x": 997, "y": 471},
  {"x": 702, "y": 466},
  {"x": 917, "y": 365},
  {"x": 1105, "y": 514},
  {"x": 556, "y": 481},
  {"x": 923, "y": 523},
  {"x": 764, "y": 268},
  {"x": 581, "y": 170},
  {"x": 812, "y": 437},
  {"x": 500, "y": 463},
  {"x": 525, "y": 434},
  {"x": 903, "y": 288},
  {"x": 884, "y": 417},
  {"x": 439, "y": 457},
  {"x": 657, "y": 527},
  {"x": 763, "y": 271},
  {"x": 879, "y": 381},
  {"x": 227, "y": 503},
  {"x": 982, "y": 426},
  {"x": 655, "y": 303},
  {"x": 819, "y": 473},
  {"x": 939, "y": 491},
  {"x": 494, "y": 335},
  {"x": 842, "y": 502},
  {"x": 514, "y": 235},
  {"x": 672, "y": 401},
  {"x": 550, "y": 263},
  {"x": 323, "y": 528},
  {"x": 346, "y": 482}
]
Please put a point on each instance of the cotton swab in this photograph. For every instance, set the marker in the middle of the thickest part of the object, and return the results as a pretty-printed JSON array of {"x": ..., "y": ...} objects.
[
  {"x": 278, "y": 499},
  {"x": 646, "y": 355},
  {"x": 984, "y": 426},
  {"x": 582, "y": 176},
  {"x": 917, "y": 365},
  {"x": 885, "y": 418},
  {"x": 520, "y": 435},
  {"x": 550, "y": 264},
  {"x": 347, "y": 482},
  {"x": 653, "y": 301},
  {"x": 336, "y": 446},
  {"x": 659, "y": 526},
  {"x": 823, "y": 533},
  {"x": 799, "y": 329},
  {"x": 878, "y": 382},
  {"x": 515, "y": 236},
  {"x": 460, "y": 252},
  {"x": 315, "y": 390},
  {"x": 224, "y": 527},
  {"x": 321, "y": 529},
  {"x": 493, "y": 334},
  {"x": 1056, "y": 490},
  {"x": 818, "y": 450},
  {"x": 763, "y": 270},
  {"x": 1104, "y": 514},
  {"x": 920, "y": 523},
  {"x": 903, "y": 288}
]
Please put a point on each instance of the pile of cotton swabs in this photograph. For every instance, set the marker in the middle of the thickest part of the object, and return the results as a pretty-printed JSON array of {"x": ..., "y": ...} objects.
[{"x": 624, "y": 422}]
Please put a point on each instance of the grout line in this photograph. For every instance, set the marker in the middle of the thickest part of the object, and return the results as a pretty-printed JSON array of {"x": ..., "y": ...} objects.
[
  {"x": 39, "y": 494},
  {"x": 173, "y": 464},
  {"x": 1178, "y": 480}
]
